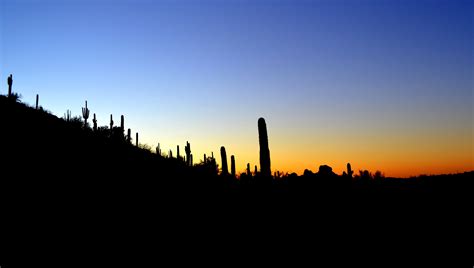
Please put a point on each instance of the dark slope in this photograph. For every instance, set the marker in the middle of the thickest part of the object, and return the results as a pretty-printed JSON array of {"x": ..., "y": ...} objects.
[{"x": 69, "y": 196}]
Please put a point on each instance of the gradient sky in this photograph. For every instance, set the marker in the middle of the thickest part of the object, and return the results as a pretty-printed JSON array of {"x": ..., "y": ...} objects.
[{"x": 385, "y": 85}]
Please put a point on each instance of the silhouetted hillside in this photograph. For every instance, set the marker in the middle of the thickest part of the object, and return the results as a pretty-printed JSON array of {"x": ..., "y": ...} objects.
[{"x": 68, "y": 184}]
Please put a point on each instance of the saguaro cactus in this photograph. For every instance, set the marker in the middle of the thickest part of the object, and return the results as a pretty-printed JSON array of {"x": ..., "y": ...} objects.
[
  {"x": 10, "y": 83},
  {"x": 187, "y": 149},
  {"x": 177, "y": 152},
  {"x": 190, "y": 160},
  {"x": 122, "y": 124},
  {"x": 111, "y": 123},
  {"x": 37, "y": 100},
  {"x": 205, "y": 159},
  {"x": 85, "y": 115},
  {"x": 248, "y": 170},
  {"x": 158, "y": 149},
  {"x": 129, "y": 136},
  {"x": 264, "y": 151},
  {"x": 95, "y": 123},
  {"x": 349, "y": 170},
  {"x": 67, "y": 115},
  {"x": 232, "y": 165},
  {"x": 225, "y": 170},
  {"x": 136, "y": 139}
]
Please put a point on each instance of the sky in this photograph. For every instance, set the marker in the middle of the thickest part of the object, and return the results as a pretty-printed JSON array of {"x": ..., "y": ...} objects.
[{"x": 385, "y": 85}]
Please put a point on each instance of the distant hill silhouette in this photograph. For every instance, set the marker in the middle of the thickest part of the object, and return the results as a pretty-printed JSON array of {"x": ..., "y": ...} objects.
[{"x": 65, "y": 182}]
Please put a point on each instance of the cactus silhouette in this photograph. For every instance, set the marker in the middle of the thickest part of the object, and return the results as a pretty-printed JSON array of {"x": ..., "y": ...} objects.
[
  {"x": 10, "y": 83},
  {"x": 171, "y": 154},
  {"x": 129, "y": 136},
  {"x": 205, "y": 159},
  {"x": 67, "y": 115},
  {"x": 122, "y": 124},
  {"x": 225, "y": 170},
  {"x": 248, "y": 170},
  {"x": 37, "y": 100},
  {"x": 264, "y": 151},
  {"x": 158, "y": 149},
  {"x": 232, "y": 165},
  {"x": 349, "y": 170},
  {"x": 255, "y": 171},
  {"x": 187, "y": 149},
  {"x": 177, "y": 152},
  {"x": 190, "y": 159},
  {"x": 136, "y": 139},
  {"x": 94, "y": 120},
  {"x": 111, "y": 123},
  {"x": 85, "y": 115}
]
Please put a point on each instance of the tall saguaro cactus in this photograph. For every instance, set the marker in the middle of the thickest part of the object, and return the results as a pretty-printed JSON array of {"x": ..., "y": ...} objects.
[
  {"x": 85, "y": 115},
  {"x": 111, "y": 123},
  {"x": 187, "y": 149},
  {"x": 10, "y": 83},
  {"x": 122, "y": 124},
  {"x": 264, "y": 151},
  {"x": 225, "y": 170},
  {"x": 37, "y": 100},
  {"x": 67, "y": 115},
  {"x": 95, "y": 123},
  {"x": 232, "y": 165},
  {"x": 136, "y": 139},
  {"x": 349, "y": 170},
  {"x": 177, "y": 152},
  {"x": 129, "y": 136},
  {"x": 248, "y": 170},
  {"x": 158, "y": 149}
]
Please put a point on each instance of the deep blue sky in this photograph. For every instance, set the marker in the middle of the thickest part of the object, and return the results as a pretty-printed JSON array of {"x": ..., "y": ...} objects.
[{"x": 363, "y": 81}]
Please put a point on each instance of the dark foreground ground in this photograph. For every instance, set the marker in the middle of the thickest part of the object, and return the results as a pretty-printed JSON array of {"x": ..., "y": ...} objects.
[{"x": 70, "y": 197}]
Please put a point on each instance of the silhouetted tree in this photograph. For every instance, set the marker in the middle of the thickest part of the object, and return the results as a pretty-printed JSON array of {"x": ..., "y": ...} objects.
[
  {"x": 225, "y": 170},
  {"x": 264, "y": 150}
]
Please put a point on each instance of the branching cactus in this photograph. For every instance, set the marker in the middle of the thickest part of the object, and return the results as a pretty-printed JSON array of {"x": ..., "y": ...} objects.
[
  {"x": 232, "y": 165},
  {"x": 225, "y": 170},
  {"x": 187, "y": 149},
  {"x": 158, "y": 149},
  {"x": 67, "y": 116},
  {"x": 85, "y": 115},
  {"x": 264, "y": 151}
]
